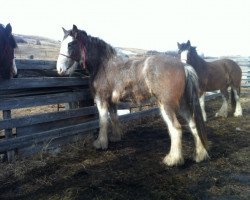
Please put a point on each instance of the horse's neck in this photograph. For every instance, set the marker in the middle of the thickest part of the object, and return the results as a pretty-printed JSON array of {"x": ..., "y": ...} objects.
[
  {"x": 199, "y": 64},
  {"x": 96, "y": 66},
  {"x": 98, "y": 55}
]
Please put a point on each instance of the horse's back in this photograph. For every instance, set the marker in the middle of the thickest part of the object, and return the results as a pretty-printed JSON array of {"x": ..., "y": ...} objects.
[
  {"x": 226, "y": 68},
  {"x": 165, "y": 76},
  {"x": 227, "y": 64}
]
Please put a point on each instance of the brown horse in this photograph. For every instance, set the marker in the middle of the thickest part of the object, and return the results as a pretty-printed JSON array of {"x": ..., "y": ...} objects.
[
  {"x": 7, "y": 46},
  {"x": 216, "y": 75},
  {"x": 112, "y": 78}
]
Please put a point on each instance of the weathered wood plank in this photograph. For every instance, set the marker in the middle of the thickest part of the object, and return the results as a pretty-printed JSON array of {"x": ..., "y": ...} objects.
[
  {"x": 32, "y": 92},
  {"x": 35, "y": 64},
  {"x": 42, "y": 82},
  {"x": 40, "y": 100},
  {"x": 19, "y": 142},
  {"x": 8, "y": 135},
  {"x": 46, "y": 117}
]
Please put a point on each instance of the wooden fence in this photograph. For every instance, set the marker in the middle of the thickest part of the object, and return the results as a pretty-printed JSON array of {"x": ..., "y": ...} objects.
[{"x": 25, "y": 135}]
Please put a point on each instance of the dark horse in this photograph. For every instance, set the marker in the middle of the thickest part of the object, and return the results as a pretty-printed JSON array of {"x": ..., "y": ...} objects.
[
  {"x": 113, "y": 78},
  {"x": 216, "y": 75},
  {"x": 7, "y": 46}
]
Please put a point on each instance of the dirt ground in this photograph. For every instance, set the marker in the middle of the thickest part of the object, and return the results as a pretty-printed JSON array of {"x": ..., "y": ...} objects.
[{"x": 133, "y": 168}]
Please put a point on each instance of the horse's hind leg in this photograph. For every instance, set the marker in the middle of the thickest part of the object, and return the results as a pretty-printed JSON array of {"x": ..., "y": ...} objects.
[
  {"x": 174, "y": 128},
  {"x": 223, "y": 112},
  {"x": 202, "y": 104},
  {"x": 102, "y": 141},
  {"x": 238, "y": 108},
  {"x": 115, "y": 123},
  {"x": 200, "y": 151}
]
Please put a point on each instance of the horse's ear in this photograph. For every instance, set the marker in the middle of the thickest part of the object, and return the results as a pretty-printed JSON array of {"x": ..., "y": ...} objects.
[
  {"x": 179, "y": 45},
  {"x": 65, "y": 31},
  {"x": 189, "y": 43},
  {"x": 75, "y": 28},
  {"x": 8, "y": 29},
  {"x": 74, "y": 31}
]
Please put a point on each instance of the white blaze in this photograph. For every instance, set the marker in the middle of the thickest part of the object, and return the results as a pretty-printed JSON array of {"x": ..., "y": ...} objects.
[
  {"x": 63, "y": 62},
  {"x": 184, "y": 56}
]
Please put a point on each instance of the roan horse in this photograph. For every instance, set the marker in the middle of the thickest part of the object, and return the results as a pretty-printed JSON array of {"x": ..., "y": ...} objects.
[
  {"x": 112, "y": 78},
  {"x": 216, "y": 75},
  {"x": 7, "y": 45}
]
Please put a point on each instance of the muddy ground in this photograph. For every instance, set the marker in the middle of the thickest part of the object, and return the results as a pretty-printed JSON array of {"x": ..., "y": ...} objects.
[{"x": 133, "y": 168}]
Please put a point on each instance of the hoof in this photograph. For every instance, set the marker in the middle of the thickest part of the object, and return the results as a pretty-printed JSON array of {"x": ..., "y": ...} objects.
[
  {"x": 171, "y": 161},
  {"x": 100, "y": 144},
  {"x": 202, "y": 155},
  {"x": 221, "y": 115},
  {"x": 238, "y": 114}
]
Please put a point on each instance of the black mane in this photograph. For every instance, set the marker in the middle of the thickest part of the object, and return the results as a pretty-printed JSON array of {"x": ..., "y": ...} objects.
[
  {"x": 195, "y": 59},
  {"x": 98, "y": 52}
]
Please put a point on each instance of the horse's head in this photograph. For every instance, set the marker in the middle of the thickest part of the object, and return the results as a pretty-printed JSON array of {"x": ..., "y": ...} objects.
[
  {"x": 7, "y": 46},
  {"x": 72, "y": 51},
  {"x": 184, "y": 51}
]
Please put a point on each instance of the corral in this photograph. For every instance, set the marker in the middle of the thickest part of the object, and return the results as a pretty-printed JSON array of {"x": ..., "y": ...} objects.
[{"x": 130, "y": 169}]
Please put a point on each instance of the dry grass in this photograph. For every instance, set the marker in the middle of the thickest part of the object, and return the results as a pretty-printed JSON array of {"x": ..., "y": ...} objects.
[
  {"x": 132, "y": 168},
  {"x": 39, "y": 52}
]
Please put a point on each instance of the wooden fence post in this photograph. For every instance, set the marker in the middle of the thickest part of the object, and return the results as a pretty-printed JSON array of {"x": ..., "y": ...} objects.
[{"x": 8, "y": 134}]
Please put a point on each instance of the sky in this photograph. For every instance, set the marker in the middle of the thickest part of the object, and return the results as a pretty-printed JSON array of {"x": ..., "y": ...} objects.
[{"x": 215, "y": 27}]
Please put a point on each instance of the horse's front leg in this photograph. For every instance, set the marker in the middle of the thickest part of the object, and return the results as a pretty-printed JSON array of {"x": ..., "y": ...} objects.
[
  {"x": 102, "y": 141},
  {"x": 223, "y": 112},
  {"x": 116, "y": 134}
]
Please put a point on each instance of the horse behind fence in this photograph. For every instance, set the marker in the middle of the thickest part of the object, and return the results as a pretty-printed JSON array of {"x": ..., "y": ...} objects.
[
  {"x": 7, "y": 45},
  {"x": 165, "y": 78}
]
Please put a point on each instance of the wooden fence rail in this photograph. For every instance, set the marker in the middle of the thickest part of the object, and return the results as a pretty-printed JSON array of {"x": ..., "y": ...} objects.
[{"x": 28, "y": 134}]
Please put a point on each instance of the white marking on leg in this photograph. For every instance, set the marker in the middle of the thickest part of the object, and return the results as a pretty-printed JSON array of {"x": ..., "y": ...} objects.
[
  {"x": 102, "y": 140},
  {"x": 202, "y": 104},
  {"x": 184, "y": 56},
  {"x": 200, "y": 151},
  {"x": 223, "y": 112},
  {"x": 238, "y": 109},
  {"x": 175, "y": 155}
]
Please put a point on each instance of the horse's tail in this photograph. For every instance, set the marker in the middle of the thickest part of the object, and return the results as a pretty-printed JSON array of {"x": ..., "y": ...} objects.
[
  {"x": 191, "y": 90},
  {"x": 233, "y": 101}
]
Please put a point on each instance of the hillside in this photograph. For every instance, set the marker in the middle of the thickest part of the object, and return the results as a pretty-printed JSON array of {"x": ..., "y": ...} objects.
[
  {"x": 42, "y": 48},
  {"x": 35, "y": 47}
]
